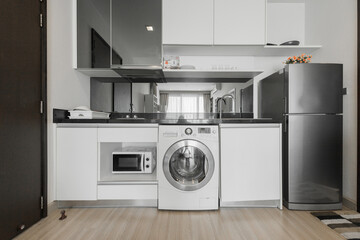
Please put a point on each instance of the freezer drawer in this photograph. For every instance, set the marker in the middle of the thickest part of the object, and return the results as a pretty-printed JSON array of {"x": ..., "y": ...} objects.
[
  {"x": 314, "y": 159},
  {"x": 314, "y": 88}
]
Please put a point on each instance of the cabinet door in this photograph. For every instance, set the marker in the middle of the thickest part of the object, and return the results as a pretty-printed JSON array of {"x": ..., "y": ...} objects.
[
  {"x": 250, "y": 163},
  {"x": 131, "y": 39},
  {"x": 239, "y": 22},
  {"x": 76, "y": 163},
  {"x": 92, "y": 47},
  {"x": 129, "y": 133},
  {"x": 188, "y": 22}
]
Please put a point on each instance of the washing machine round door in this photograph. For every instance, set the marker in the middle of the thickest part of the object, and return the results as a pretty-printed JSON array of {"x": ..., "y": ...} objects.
[{"x": 188, "y": 165}]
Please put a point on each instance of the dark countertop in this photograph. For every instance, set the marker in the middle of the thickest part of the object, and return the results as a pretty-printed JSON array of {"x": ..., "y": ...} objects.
[
  {"x": 168, "y": 121},
  {"x": 61, "y": 116}
]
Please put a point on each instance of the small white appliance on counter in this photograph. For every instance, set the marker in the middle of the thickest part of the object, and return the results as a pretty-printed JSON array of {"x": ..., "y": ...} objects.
[{"x": 84, "y": 112}]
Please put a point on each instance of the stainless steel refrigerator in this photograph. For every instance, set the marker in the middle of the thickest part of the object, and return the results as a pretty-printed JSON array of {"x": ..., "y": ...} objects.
[{"x": 308, "y": 100}]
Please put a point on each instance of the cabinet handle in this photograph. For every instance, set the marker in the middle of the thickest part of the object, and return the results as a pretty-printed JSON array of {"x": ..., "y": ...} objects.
[{"x": 285, "y": 122}]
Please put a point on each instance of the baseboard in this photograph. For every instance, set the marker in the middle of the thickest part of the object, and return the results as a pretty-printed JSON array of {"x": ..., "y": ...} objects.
[
  {"x": 349, "y": 204},
  {"x": 107, "y": 203},
  {"x": 52, "y": 207},
  {"x": 251, "y": 204}
]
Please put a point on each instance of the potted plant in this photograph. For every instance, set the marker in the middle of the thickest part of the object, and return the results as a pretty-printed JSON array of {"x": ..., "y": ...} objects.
[{"x": 303, "y": 58}]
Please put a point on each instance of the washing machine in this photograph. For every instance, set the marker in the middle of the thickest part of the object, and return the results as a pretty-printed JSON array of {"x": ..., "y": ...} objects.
[{"x": 188, "y": 167}]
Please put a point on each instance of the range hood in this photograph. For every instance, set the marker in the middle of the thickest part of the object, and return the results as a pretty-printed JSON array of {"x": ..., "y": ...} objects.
[{"x": 140, "y": 73}]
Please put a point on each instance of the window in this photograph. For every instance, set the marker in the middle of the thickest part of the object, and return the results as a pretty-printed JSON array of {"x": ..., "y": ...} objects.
[{"x": 186, "y": 102}]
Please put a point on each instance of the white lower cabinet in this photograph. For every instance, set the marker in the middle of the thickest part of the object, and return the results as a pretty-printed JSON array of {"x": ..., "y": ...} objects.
[
  {"x": 251, "y": 165},
  {"x": 76, "y": 163},
  {"x": 127, "y": 192}
]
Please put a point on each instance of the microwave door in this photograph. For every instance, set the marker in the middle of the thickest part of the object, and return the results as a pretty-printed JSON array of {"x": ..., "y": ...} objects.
[{"x": 127, "y": 163}]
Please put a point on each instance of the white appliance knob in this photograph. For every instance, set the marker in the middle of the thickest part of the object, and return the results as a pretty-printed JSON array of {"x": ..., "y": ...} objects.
[{"x": 188, "y": 131}]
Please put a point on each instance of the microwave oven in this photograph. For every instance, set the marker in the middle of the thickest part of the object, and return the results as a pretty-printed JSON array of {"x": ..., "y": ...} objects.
[{"x": 133, "y": 162}]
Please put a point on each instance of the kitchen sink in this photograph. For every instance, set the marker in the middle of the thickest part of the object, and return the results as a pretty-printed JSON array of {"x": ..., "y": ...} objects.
[
  {"x": 130, "y": 118},
  {"x": 234, "y": 119}
]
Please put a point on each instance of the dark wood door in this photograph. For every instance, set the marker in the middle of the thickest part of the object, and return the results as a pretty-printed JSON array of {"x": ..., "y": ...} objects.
[
  {"x": 21, "y": 122},
  {"x": 358, "y": 108}
]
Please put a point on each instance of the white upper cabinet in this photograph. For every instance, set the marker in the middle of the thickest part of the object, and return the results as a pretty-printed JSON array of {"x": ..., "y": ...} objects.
[
  {"x": 188, "y": 22},
  {"x": 214, "y": 22},
  {"x": 239, "y": 22}
]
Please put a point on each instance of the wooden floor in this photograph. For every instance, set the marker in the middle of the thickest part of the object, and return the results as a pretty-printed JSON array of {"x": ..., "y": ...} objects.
[{"x": 150, "y": 223}]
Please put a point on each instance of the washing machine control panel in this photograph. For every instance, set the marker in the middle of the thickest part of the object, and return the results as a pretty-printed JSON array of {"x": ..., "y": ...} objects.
[
  {"x": 201, "y": 130},
  {"x": 206, "y": 132},
  {"x": 209, "y": 132}
]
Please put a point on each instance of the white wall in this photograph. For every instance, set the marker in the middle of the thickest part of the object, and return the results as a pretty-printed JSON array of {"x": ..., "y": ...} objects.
[
  {"x": 333, "y": 24},
  {"x": 66, "y": 87},
  {"x": 285, "y": 22}
]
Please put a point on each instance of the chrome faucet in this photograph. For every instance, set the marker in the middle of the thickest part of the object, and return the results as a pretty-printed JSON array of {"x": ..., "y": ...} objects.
[
  {"x": 132, "y": 109},
  {"x": 223, "y": 99}
]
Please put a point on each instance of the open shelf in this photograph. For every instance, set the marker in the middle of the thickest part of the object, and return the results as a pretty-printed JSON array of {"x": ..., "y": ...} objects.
[
  {"x": 290, "y": 50},
  {"x": 239, "y": 50},
  {"x": 195, "y": 73}
]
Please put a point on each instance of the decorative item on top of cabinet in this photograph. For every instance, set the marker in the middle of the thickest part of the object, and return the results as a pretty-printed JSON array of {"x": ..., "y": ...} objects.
[
  {"x": 171, "y": 62},
  {"x": 299, "y": 59}
]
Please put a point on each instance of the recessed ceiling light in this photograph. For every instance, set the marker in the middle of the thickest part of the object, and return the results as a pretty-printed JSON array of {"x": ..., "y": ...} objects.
[{"x": 149, "y": 28}]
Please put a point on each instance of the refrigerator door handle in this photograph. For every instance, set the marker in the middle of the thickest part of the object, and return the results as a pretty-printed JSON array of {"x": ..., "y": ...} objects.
[
  {"x": 285, "y": 114},
  {"x": 241, "y": 100}
]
